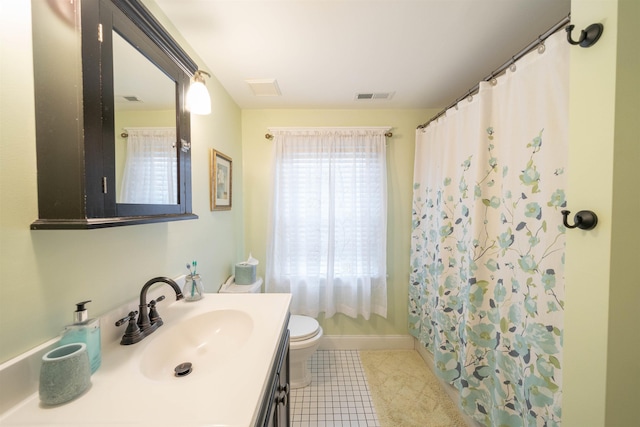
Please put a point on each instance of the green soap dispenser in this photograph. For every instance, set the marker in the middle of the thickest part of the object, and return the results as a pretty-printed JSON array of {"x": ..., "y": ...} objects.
[{"x": 87, "y": 331}]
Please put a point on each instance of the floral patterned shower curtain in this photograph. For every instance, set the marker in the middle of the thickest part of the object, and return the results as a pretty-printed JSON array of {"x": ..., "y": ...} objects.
[{"x": 487, "y": 254}]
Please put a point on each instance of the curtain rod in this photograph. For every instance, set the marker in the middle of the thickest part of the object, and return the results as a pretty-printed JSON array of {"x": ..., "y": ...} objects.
[
  {"x": 503, "y": 67},
  {"x": 125, "y": 134},
  {"x": 388, "y": 134},
  {"x": 269, "y": 136}
]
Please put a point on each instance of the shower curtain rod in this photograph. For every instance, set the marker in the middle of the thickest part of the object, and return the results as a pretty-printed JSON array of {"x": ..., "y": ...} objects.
[{"x": 503, "y": 67}]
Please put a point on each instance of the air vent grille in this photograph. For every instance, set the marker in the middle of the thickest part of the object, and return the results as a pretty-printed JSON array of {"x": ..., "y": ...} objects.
[{"x": 374, "y": 95}]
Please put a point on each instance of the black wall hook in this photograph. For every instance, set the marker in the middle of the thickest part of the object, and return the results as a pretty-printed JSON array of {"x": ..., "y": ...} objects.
[
  {"x": 584, "y": 220},
  {"x": 588, "y": 37}
]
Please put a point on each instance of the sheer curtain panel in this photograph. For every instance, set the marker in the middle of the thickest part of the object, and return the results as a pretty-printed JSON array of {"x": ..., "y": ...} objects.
[
  {"x": 151, "y": 167},
  {"x": 328, "y": 225}
]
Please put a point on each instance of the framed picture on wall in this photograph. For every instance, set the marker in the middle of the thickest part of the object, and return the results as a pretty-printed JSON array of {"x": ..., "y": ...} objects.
[{"x": 221, "y": 180}]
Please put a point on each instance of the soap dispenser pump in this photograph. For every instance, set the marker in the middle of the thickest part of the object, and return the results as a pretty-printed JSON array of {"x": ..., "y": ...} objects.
[{"x": 87, "y": 331}]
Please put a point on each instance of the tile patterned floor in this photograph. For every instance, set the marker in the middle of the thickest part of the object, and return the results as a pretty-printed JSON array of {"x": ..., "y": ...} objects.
[{"x": 338, "y": 395}]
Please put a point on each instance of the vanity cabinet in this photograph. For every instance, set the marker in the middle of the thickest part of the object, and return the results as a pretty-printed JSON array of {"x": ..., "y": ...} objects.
[
  {"x": 79, "y": 90},
  {"x": 275, "y": 408}
]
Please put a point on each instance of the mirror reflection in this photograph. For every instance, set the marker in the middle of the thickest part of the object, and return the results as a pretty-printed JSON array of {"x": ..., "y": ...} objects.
[{"x": 145, "y": 128}]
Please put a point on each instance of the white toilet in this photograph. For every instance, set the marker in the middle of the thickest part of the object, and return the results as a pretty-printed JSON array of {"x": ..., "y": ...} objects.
[
  {"x": 305, "y": 335},
  {"x": 304, "y": 339}
]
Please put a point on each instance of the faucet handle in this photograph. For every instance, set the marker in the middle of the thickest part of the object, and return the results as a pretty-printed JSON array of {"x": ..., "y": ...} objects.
[
  {"x": 154, "y": 301},
  {"x": 132, "y": 314},
  {"x": 132, "y": 335},
  {"x": 154, "y": 317}
]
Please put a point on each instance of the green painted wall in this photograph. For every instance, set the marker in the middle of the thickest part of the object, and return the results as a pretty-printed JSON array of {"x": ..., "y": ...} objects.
[
  {"x": 602, "y": 291},
  {"x": 623, "y": 370},
  {"x": 257, "y": 156}
]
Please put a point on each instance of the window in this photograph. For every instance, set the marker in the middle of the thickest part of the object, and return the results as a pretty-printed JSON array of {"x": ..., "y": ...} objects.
[
  {"x": 150, "y": 172},
  {"x": 327, "y": 242}
]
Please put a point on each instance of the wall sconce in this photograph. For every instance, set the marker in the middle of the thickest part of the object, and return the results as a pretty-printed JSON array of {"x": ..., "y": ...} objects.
[{"x": 198, "y": 100}]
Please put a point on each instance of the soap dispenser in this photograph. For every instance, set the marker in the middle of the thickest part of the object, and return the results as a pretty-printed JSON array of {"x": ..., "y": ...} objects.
[{"x": 84, "y": 330}]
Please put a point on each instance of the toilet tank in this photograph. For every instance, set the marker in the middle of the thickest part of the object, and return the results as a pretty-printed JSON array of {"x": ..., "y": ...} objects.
[{"x": 231, "y": 287}]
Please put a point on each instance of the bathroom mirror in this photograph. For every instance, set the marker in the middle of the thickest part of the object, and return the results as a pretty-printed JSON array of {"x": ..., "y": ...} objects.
[
  {"x": 102, "y": 72},
  {"x": 146, "y": 148}
]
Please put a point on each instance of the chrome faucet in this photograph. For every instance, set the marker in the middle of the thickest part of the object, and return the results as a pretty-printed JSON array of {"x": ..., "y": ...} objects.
[{"x": 144, "y": 323}]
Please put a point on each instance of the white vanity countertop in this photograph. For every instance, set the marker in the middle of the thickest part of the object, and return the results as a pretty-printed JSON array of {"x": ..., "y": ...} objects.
[{"x": 122, "y": 395}]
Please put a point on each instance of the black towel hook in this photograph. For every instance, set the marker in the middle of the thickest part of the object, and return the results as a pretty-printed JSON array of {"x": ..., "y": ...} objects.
[
  {"x": 584, "y": 220},
  {"x": 588, "y": 37}
]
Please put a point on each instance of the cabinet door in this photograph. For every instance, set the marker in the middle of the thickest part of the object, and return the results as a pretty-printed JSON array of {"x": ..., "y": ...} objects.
[
  {"x": 272, "y": 415},
  {"x": 283, "y": 405},
  {"x": 274, "y": 410}
]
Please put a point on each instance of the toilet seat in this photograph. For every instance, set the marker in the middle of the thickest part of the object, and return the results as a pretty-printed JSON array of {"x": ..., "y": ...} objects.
[{"x": 303, "y": 328}]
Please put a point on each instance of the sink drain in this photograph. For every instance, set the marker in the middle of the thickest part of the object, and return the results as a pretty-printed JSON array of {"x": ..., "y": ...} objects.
[{"x": 183, "y": 369}]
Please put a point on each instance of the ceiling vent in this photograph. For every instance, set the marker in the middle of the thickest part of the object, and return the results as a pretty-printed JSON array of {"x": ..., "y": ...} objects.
[
  {"x": 374, "y": 95},
  {"x": 264, "y": 87},
  {"x": 132, "y": 98}
]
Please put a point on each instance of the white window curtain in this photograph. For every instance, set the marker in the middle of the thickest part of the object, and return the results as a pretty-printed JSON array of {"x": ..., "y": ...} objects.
[
  {"x": 150, "y": 171},
  {"x": 328, "y": 225}
]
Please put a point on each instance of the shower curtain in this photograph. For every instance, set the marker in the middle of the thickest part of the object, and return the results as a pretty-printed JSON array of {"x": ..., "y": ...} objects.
[{"x": 487, "y": 245}]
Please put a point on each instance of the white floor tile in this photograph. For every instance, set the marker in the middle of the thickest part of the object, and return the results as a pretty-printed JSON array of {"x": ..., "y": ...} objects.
[{"x": 338, "y": 394}]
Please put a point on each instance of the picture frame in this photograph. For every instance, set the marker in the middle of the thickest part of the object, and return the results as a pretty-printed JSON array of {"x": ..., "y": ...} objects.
[{"x": 221, "y": 180}]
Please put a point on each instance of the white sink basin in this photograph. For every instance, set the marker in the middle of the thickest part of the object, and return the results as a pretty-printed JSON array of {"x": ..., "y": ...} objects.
[{"x": 208, "y": 341}]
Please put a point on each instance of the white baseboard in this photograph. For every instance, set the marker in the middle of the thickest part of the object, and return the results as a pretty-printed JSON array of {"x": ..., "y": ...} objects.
[{"x": 367, "y": 342}]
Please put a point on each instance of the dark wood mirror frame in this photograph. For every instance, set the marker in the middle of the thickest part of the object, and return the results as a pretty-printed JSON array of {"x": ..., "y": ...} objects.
[{"x": 74, "y": 106}]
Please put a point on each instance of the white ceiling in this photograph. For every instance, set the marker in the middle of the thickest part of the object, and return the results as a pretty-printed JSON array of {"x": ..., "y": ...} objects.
[{"x": 323, "y": 52}]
